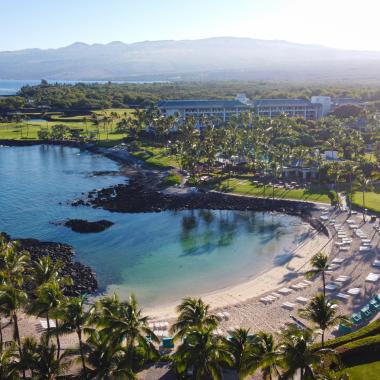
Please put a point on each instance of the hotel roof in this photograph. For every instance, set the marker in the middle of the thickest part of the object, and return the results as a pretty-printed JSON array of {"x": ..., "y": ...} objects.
[
  {"x": 200, "y": 103},
  {"x": 282, "y": 102}
]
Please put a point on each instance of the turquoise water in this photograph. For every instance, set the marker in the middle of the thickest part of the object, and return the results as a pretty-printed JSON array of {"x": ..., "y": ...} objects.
[{"x": 161, "y": 257}]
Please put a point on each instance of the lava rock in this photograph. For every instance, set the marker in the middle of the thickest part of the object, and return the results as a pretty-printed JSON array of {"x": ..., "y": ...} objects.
[{"x": 84, "y": 226}]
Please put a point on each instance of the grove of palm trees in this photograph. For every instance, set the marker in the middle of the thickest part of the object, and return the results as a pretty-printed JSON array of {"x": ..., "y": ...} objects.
[{"x": 114, "y": 340}]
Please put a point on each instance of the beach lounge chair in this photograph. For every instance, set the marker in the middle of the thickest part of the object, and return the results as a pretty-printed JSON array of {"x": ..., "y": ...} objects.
[
  {"x": 376, "y": 263},
  {"x": 308, "y": 282},
  {"x": 337, "y": 261},
  {"x": 374, "y": 304},
  {"x": 284, "y": 291},
  {"x": 302, "y": 300},
  {"x": 353, "y": 291},
  {"x": 366, "y": 311},
  {"x": 227, "y": 315},
  {"x": 343, "y": 296},
  {"x": 331, "y": 287},
  {"x": 288, "y": 305},
  {"x": 276, "y": 295},
  {"x": 344, "y": 248},
  {"x": 373, "y": 277},
  {"x": 356, "y": 318},
  {"x": 265, "y": 300},
  {"x": 296, "y": 287},
  {"x": 364, "y": 248},
  {"x": 342, "y": 279}
]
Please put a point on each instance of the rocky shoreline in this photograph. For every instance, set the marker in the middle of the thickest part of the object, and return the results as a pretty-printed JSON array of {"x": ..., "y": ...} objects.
[
  {"x": 82, "y": 275},
  {"x": 135, "y": 198}
]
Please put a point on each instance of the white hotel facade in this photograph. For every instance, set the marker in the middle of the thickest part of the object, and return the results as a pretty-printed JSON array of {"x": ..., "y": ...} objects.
[{"x": 317, "y": 107}]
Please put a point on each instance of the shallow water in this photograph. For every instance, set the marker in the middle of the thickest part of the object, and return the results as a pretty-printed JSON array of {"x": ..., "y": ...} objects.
[{"x": 161, "y": 257}]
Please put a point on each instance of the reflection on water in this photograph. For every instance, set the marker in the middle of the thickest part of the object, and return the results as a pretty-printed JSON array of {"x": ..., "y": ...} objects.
[{"x": 160, "y": 256}]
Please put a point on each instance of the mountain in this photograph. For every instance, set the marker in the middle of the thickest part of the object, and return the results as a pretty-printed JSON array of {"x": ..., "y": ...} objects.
[{"x": 205, "y": 59}]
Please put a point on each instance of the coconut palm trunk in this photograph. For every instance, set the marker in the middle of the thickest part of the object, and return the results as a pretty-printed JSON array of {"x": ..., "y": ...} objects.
[
  {"x": 58, "y": 340},
  {"x": 18, "y": 340},
  {"x": 79, "y": 333}
]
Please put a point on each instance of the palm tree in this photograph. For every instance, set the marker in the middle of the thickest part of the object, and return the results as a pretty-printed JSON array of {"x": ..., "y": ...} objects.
[
  {"x": 12, "y": 300},
  {"x": 298, "y": 355},
  {"x": 240, "y": 345},
  {"x": 193, "y": 313},
  {"x": 202, "y": 353},
  {"x": 123, "y": 322},
  {"x": 364, "y": 184},
  {"x": 13, "y": 264},
  {"x": 319, "y": 266},
  {"x": 8, "y": 363},
  {"x": 75, "y": 317},
  {"x": 41, "y": 359},
  {"x": 267, "y": 355},
  {"x": 105, "y": 359},
  {"x": 322, "y": 313},
  {"x": 47, "y": 302}
]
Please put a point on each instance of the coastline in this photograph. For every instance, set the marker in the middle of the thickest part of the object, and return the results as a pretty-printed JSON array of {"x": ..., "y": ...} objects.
[
  {"x": 253, "y": 288},
  {"x": 247, "y": 289}
]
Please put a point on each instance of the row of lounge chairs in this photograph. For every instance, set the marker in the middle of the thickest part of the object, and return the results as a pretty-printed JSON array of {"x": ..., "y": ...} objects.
[
  {"x": 286, "y": 291},
  {"x": 365, "y": 313}
]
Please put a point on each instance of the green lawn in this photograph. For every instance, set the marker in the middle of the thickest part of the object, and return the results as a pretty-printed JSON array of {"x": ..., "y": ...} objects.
[
  {"x": 156, "y": 156},
  {"x": 370, "y": 371},
  {"x": 245, "y": 186},
  {"x": 372, "y": 200}
]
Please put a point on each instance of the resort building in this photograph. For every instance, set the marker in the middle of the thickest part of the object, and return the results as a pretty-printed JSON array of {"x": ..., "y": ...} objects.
[
  {"x": 290, "y": 107},
  {"x": 222, "y": 109},
  {"x": 312, "y": 109}
]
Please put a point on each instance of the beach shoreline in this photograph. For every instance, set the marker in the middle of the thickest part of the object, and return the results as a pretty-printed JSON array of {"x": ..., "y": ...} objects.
[{"x": 268, "y": 281}]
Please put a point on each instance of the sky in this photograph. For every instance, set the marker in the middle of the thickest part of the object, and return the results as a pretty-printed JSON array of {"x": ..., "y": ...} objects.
[{"x": 346, "y": 24}]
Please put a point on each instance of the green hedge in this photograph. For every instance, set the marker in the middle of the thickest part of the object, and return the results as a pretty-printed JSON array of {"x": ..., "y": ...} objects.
[
  {"x": 360, "y": 351},
  {"x": 369, "y": 330}
]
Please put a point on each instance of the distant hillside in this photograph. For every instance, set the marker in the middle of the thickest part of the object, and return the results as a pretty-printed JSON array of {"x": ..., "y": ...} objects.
[{"x": 207, "y": 59}]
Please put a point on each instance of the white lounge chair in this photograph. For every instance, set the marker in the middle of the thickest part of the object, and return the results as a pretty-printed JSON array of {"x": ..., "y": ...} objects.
[
  {"x": 353, "y": 291},
  {"x": 343, "y": 296},
  {"x": 376, "y": 263},
  {"x": 302, "y": 300},
  {"x": 331, "y": 287},
  {"x": 364, "y": 248},
  {"x": 373, "y": 277},
  {"x": 284, "y": 291},
  {"x": 288, "y": 305},
  {"x": 227, "y": 315},
  {"x": 337, "y": 261}
]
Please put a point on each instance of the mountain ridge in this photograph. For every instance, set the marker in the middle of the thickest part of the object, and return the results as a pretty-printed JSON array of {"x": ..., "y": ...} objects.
[{"x": 214, "y": 58}]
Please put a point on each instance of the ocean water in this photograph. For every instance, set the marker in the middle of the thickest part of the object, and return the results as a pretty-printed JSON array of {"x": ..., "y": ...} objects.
[{"x": 160, "y": 257}]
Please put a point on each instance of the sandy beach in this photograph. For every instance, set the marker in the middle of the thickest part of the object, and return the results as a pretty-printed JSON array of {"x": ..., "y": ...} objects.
[{"x": 242, "y": 302}]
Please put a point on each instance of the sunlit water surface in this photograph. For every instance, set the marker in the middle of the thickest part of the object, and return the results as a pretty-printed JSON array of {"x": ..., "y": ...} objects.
[{"x": 161, "y": 257}]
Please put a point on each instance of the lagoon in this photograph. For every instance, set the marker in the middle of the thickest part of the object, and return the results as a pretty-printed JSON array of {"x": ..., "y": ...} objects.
[{"x": 160, "y": 257}]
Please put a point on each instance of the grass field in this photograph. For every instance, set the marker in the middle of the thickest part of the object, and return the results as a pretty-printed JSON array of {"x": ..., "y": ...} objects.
[
  {"x": 244, "y": 186},
  {"x": 370, "y": 371},
  {"x": 372, "y": 200},
  {"x": 28, "y": 131},
  {"x": 156, "y": 156}
]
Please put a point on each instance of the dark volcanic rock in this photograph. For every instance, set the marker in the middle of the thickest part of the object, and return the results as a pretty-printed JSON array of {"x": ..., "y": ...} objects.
[
  {"x": 84, "y": 226},
  {"x": 133, "y": 197},
  {"x": 82, "y": 275}
]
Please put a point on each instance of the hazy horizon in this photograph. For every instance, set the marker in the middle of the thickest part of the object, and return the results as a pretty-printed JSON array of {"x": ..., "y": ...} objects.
[
  {"x": 189, "y": 39},
  {"x": 40, "y": 24}
]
